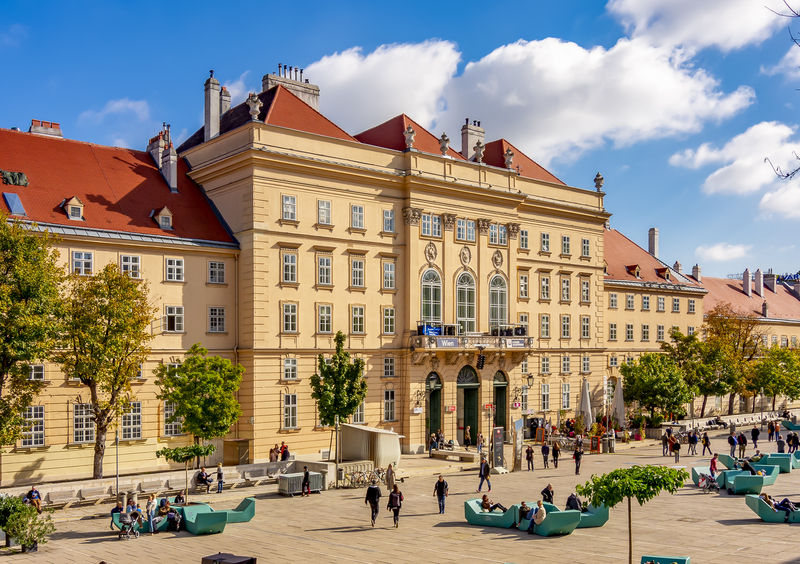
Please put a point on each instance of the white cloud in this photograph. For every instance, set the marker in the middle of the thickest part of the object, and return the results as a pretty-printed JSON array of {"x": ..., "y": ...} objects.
[
  {"x": 744, "y": 170},
  {"x": 789, "y": 65},
  {"x": 721, "y": 252},
  {"x": 140, "y": 108},
  {"x": 13, "y": 35},
  {"x": 239, "y": 89},
  {"x": 692, "y": 24},
  {"x": 360, "y": 91},
  {"x": 785, "y": 201}
]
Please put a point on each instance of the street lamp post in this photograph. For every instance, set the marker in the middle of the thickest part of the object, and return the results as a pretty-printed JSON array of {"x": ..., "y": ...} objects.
[
  {"x": 116, "y": 442},
  {"x": 762, "y": 408}
]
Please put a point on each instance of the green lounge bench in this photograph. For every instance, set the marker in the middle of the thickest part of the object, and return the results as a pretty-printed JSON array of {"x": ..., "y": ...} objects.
[
  {"x": 556, "y": 522},
  {"x": 666, "y": 559},
  {"x": 144, "y": 527},
  {"x": 203, "y": 520},
  {"x": 243, "y": 513},
  {"x": 743, "y": 483},
  {"x": 771, "y": 473},
  {"x": 697, "y": 470},
  {"x": 594, "y": 517},
  {"x": 475, "y": 515},
  {"x": 767, "y": 514},
  {"x": 790, "y": 426},
  {"x": 727, "y": 460},
  {"x": 783, "y": 461}
]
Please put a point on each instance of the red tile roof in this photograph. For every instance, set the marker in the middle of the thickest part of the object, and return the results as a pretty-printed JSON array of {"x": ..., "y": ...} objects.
[
  {"x": 494, "y": 155},
  {"x": 280, "y": 108},
  {"x": 783, "y": 303},
  {"x": 620, "y": 253},
  {"x": 389, "y": 135},
  {"x": 118, "y": 187}
]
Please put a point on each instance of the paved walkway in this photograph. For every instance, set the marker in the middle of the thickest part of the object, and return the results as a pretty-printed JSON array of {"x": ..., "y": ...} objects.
[{"x": 334, "y": 526}]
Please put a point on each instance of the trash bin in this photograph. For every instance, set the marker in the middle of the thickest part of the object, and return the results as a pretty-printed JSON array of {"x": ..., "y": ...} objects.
[
  {"x": 612, "y": 440},
  {"x": 604, "y": 445}
]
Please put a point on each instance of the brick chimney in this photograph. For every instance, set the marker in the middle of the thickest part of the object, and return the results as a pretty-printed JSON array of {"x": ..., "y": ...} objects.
[
  {"x": 696, "y": 273},
  {"x": 765, "y": 309},
  {"x": 747, "y": 283},
  {"x": 156, "y": 147},
  {"x": 759, "y": 283},
  {"x": 291, "y": 78},
  {"x": 224, "y": 101},
  {"x": 212, "y": 107},
  {"x": 652, "y": 241},
  {"x": 470, "y": 135},
  {"x": 50, "y": 128}
]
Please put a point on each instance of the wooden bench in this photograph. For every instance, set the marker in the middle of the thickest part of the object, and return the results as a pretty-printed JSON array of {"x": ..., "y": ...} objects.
[
  {"x": 176, "y": 485},
  {"x": 151, "y": 486},
  {"x": 96, "y": 494},
  {"x": 460, "y": 454},
  {"x": 63, "y": 498}
]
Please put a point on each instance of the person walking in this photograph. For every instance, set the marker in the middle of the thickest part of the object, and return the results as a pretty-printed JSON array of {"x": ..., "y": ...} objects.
[
  {"x": 305, "y": 487},
  {"x": 548, "y": 494},
  {"x": 220, "y": 476},
  {"x": 780, "y": 443},
  {"x": 664, "y": 444},
  {"x": 485, "y": 471},
  {"x": 712, "y": 468},
  {"x": 372, "y": 498},
  {"x": 545, "y": 454},
  {"x": 671, "y": 440},
  {"x": 754, "y": 434},
  {"x": 556, "y": 452},
  {"x": 390, "y": 477},
  {"x": 742, "y": 440},
  {"x": 676, "y": 450},
  {"x": 770, "y": 431},
  {"x": 693, "y": 443},
  {"x": 479, "y": 443},
  {"x": 795, "y": 442},
  {"x": 467, "y": 439},
  {"x": 529, "y": 457},
  {"x": 732, "y": 444},
  {"x": 433, "y": 444},
  {"x": 577, "y": 455},
  {"x": 395, "y": 503},
  {"x": 441, "y": 491},
  {"x": 706, "y": 444}
]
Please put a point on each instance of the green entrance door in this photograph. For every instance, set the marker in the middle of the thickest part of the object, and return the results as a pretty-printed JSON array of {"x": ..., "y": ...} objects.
[
  {"x": 433, "y": 385},
  {"x": 467, "y": 382},
  {"x": 500, "y": 400}
]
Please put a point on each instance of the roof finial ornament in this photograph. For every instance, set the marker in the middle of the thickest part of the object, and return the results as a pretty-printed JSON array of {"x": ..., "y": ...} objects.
[
  {"x": 598, "y": 181},
  {"x": 255, "y": 105},
  {"x": 444, "y": 144},
  {"x": 479, "y": 148},
  {"x": 212, "y": 73},
  {"x": 509, "y": 156},
  {"x": 410, "y": 134}
]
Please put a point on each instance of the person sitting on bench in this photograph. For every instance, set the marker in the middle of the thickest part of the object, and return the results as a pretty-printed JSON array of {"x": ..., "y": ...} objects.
[
  {"x": 719, "y": 421},
  {"x": 536, "y": 516},
  {"x": 179, "y": 498},
  {"x": 745, "y": 465},
  {"x": 490, "y": 506},
  {"x": 523, "y": 511},
  {"x": 33, "y": 498},
  {"x": 203, "y": 479},
  {"x": 574, "y": 502}
]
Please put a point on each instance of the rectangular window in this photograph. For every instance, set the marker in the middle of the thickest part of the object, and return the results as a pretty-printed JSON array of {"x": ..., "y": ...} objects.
[
  {"x": 524, "y": 400},
  {"x": 523, "y": 320},
  {"x": 290, "y": 369},
  {"x": 586, "y": 365},
  {"x": 629, "y": 332},
  {"x": 290, "y": 268},
  {"x": 388, "y": 406},
  {"x": 357, "y": 273},
  {"x": 461, "y": 229},
  {"x": 388, "y": 222},
  {"x": 324, "y": 212},
  {"x": 565, "y": 293},
  {"x": 388, "y": 275},
  {"x": 523, "y": 285},
  {"x": 545, "y": 365},
  {"x": 545, "y": 287},
  {"x": 585, "y": 291},
  {"x": 216, "y": 320},
  {"x": 691, "y": 306},
  {"x": 388, "y": 321},
  {"x": 629, "y": 301},
  {"x": 676, "y": 328},
  {"x": 565, "y": 245},
  {"x": 545, "y": 397},
  {"x": 584, "y": 247},
  {"x": 357, "y": 217},
  {"x": 565, "y": 366},
  {"x": 690, "y": 331},
  {"x": 523, "y": 238},
  {"x": 565, "y": 332},
  {"x": 36, "y": 372},
  {"x": 645, "y": 332},
  {"x": 129, "y": 264},
  {"x": 290, "y": 411},
  {"x": 175, "y": 428},
  {"x": 612, "y": 301},
  {"x": 676, "y": 305},
  {"x": 358, "y": 415},
  {"x": 470, "y": 230},
  {"x": 493, "y": 236},
  {"x": 503, "y": 235},
  {"x": 436, "y": 225},
  {"x": 324, "y": 271},
  {"x": 173, "y": 319},
  {"x": 82, "y": 423},
  {"x": 659, "y": 333},
  {"x": 646, "y": 303},
  {"x": 565, "y": 396},
  {"x": 324, "y": 318},
  {"x": 612, "y": 331},
  {"x": 662, "y": 303},
  {"x": 132, "y": 422},
  {"x": 585, "y": 327},
  {"x": 613, "y": 362},
  {"x": 33, "y": 435},
  {"x": 357, "y": 319},
  {"x": 290, "y": 208},
  {"x": 388, "y": 367},
  {"x": 216, "y": 272},
  {"x": 545, "y": 330},
  {"x": 794, "y": 341},
  {"x": 629, "y": 360},
  {"x": 523, "y": 366},
  {"x": 290, "y": 318},
  {"x": 174, "y": 270},
  {"x": 426, "y": 224},
  {"x": 765, "y": 340},
  {"x": 82, "y": 263},
  {"x": 545, "y": 242}
]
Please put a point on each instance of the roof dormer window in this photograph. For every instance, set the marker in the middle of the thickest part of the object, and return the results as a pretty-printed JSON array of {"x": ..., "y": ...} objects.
[
  {"x": 634, "y": 270},
  {"x": 664, "y": 272},
  {"x": 163, "y": 217},
  {"x": 74, "y": 208}
]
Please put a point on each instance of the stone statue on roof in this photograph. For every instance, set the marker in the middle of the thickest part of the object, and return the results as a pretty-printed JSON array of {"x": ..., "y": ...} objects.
[{"x": 14, "y": 178}]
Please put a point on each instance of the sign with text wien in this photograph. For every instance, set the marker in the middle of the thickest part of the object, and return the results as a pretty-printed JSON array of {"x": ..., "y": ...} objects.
[
  {"x": 497, "y": 446},
  {"x": 447, "y": 342}
]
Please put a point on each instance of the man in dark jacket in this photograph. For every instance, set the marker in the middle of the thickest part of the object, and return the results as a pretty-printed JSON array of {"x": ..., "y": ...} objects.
[
  {"x": 485, "y": 471},
  {"x": 754, "y": 435},
  {"x": 545, "y": 454},
  {"x": 529, "y": 457},
  {"x": 742, "y": 441},
  {"x": 732, "y": 443},
  {"x": 372, "y": 498},
  {"x": 577, "y": 455},
  {"x": 306, "y": 485},
  {"x": 547, "y": 493},
  {"x": 441, "y": 491},
  {"x": 574, "y": 502}
]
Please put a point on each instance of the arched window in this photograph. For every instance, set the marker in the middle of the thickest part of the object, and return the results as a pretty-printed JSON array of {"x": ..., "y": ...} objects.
[
  {"x": 467, "y": 377},
  {"x": 498, "y": 302},
  {"x": 465, "y": 302},
  {"x": 431, "y": 297}
]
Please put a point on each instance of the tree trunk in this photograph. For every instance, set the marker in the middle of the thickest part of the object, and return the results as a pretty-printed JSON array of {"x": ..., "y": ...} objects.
[
  {"x": 186, "y": 474},
  {"x": 630, "y": 534},
  {"x": 731, "y": 400},
  {"x": 99, "y": 452},
  {"x": 754, "y": 405},
  {"x": 703, "y": 407}
]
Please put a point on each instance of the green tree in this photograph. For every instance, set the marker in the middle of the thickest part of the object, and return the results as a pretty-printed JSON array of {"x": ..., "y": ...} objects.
[
  {"x": 203, "y": 390},
  {"x": 30, "y": 528},
  {"x": 640, "y": 482},
  {"x": 184, "y": 455},
  {"x": 105, "y": 341},
  {"x": 656, "y": 383},
  {"x": 30, "y": 304},
  {"x": 777, "y": 373}
]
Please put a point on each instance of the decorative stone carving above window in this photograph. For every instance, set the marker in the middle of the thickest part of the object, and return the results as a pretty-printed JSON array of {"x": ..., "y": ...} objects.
[
  {"x": 497, "y": 259},
  {"x": 412, "y": 215},
  {"x": 465, "y": 255},
  {"x": 483, "y": 225},
  {"x": 513, "y": 230},
  {"x": 449, "y": 220},
  {"x": 430, "y": 252}
]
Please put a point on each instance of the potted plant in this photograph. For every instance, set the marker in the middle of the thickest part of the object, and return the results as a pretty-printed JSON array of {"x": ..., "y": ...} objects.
[
  {"x": 29, "y": 527},
  {"x": 8, "y": 506}
]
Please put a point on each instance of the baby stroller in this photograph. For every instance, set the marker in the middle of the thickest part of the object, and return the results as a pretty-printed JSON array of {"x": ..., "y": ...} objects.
[
  {"x": 708, "y": 483},
  {"x": 127, "y": 530}
]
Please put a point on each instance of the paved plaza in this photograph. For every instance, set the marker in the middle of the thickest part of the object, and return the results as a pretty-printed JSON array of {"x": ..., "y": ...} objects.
[{"x": 335, "y": 527}]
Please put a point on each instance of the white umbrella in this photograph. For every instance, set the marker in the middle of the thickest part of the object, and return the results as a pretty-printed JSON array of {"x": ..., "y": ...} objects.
[
  {"x": 585, "y": 405},
  {"x": 618, "y": 406}
]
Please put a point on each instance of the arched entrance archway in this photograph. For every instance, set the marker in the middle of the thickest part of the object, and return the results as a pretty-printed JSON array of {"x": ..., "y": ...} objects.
[
  {"x": 500, "y": 385},
  {"x": 468, "y": 386},
  {"x": 433, "y": 388}
]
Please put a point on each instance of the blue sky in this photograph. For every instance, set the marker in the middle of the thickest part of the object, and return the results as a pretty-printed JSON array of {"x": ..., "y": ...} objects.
[{"x": 675, "y": 102}]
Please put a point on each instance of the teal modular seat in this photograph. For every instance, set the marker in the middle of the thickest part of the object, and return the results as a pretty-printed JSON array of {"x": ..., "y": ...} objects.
[
  {"x": 556, "y": 522},
  {"x": 594, "y": 517},
  {"x": 795, "y": 460},
  {"x": 243, "y": 513},
  {"x": 740, "y": 482},
  {"x": 771, "y": 473},
  {"x": 727, "y": 460},
  {"x": 767, "y": 514},
  {"x": 666, "y": 559},
  {"x": 697, "y": 470},
  {"x": 790, "y": 426},
  {"x": 144, "y": 527},
  {"x": 784, "y": 461},
  {"x": 203, "y": 520},
  {"x": 476, "y": 515}
]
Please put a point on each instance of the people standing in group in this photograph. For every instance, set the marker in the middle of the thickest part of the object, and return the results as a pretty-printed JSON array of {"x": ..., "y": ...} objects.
[
  {"x": 529, "y": 457},
  {"x": 395, "y": 504},
  {"x": 577, "y": 455},
  {"x": 780, "y": 443},
  {"x": 433, "y": 444},
  {"x": 284, "y": 452},
  {"x": 742, "y": 441},
  {"x": 485, "y": 471},
  {"x": 467, "y": 439},
  {"x": 713, "y": 465},
  {"x": 789, "y": 442},
  {"x": 220, "y": 478},
  {"x": 556, "y": 453},
  {"x": 754, "y": 434},
  {"x": 676, "y": 450},
  {"x": 693, "y": 440},
  {"x": 671, "y": 440},
  {"x": 150, "y": 508},
  {"x": 732, "y": 443},
  {"x": 372, "y": 498},
  {"x": 795, "y": 442},
  {"x": 390, "y": 477},
  {"x": 273, "y": 454},
  {"x": 479, "y": 442},
  {"x": 545, "y": 454},
  {"x": 770, "y": 431},
  {"x": 305, "y": 486},
  {"x": 548, "y": 494},
  {"x": 706, "y": 444},
  {"x": 441, "y": 491}
]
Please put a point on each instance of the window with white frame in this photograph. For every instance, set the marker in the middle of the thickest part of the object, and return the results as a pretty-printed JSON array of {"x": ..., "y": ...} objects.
[
  {"x": 290, "y": 318},
  {"x": 662, "y": 303},
  {"x": 357, "y": 319},
  {"x": 691, "y": 306},
  {"x": 216, "y": 320},
  {"x": 612, "y": 331},
  {"x": 290, "y": 369},
  {"x": 357, "y": 217},
  {"x": 613, "y": 362},
  {"x": 470, "y": 230},
  {"x": 357, "y": 272},
  {"x": 172, "y": 428},
  {"x": 174, "y": 270},
  {"x": 629, "y": 298},
  {"x": 33, "y": 434},
  {"x": 324, "y": 318},
  {"x": 130, "y": 265},
  {"x": 586, "y": 365},
  {"x": 216, "y": 272},
  {"x": 389, "y": 413},
  {"x": 646, "y": 303},
  {"x": 389, "y": 367},
  {"x": 794, "y": 341},
  {"x": 676, "y": 305},
  {"x": 565, "y": 245},
  {"x": 461, "y": 229},
  {"x": 565, "y": 395},
  {"x": 36, "y": 372},
  {"x": 765, "y": 340},
  {"x": 324, "y": 270},
  {"x": 436, "y": 226},
  {"x": 324, "y": 216},
  {"x": 690, "y": 331},
  {"x": 565, "y": 290},
  {"x": 523, "y": 366},
  {"x": 289, "y": 268},
  {"x": 629, "y": 332},
  {"x": 585, "y": 291},
  {"x": 523, "y": 238},
  {"x": 659, "y": 332},
  {"x": 585, "y": 324},
  {"x": 545, "y": 365},
  {"x": 545, "y": 283},
  {"x": 645, "y": 332},
  {"x": 76, "y": 212},
  {"x": 82, "y": 263},
  {"x": 524, "y": 400},
  {"x": 388, "y": 321},
  {"x": 431, "y": 296},
  {"x": 498, "y": 302},
  {"x": 493, "y": 234},
  {"x": 584, "y": 247},
  {"x": 545, "y": 326},
  {"x": 290, "y": 208},
  {"x": 290, "y": 411},
  {"x": 132, "y": 422},
  {"x": 612, "y": 300},
  {"x": 565, "y": 364},
  {"x": 358, "y": 414},
  {"x": 523, "y": 320},
  {"x": 173, "y": 319},
  {"x": 629, "y": 360},
  {"x": 388, "y": 275},
  {"x": 425, "y": 224},
  {"x": 565, "y": 326},
  {"x": 503, "y": 235},
  {"x": 523, "y": 285},
  {"x": 388, "y": 222},
  {"x": 545, "y": 397},
  {"x": 545, "y": 246},
  {"x": 82, "y": 423}
]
